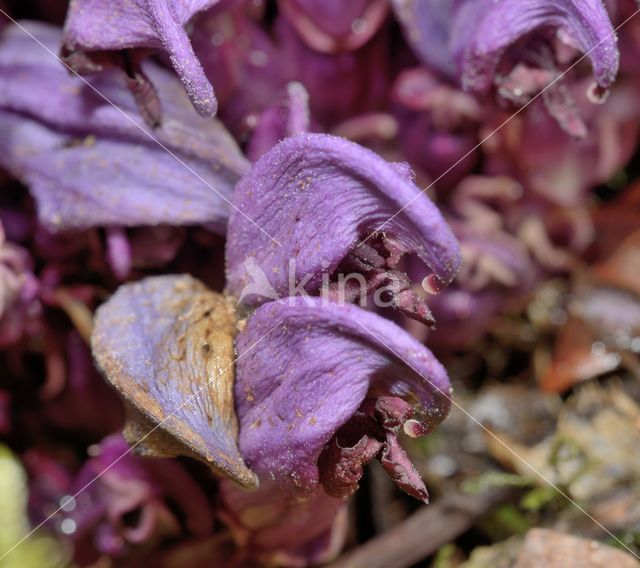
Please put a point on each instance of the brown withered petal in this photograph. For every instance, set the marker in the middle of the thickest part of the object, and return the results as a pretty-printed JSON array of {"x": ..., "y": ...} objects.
[{"x": 166, "y": 344}]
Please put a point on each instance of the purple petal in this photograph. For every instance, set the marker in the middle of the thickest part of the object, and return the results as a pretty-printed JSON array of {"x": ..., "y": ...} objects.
[
  {"x": 333, "y": 25},
  {"x": 89, "y": 163},
  {"x": 320, "y": 196},
  {"x": 166, "y": 343},
  {"x": 312, "y": 375},
  {"x": 426, "y": 25},
  {"x": 103, "y": 25},
  {"x": 304, "y": 368},
  {"x": 484, "y": 29}
]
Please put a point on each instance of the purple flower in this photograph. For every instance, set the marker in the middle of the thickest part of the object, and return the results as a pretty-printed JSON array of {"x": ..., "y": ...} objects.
[
  {"x": 90, "y": 164},
  {"x": 318, "y": 388},
  {"x": 384, "y": 217},
  {"x": 571, "y": 167},
  {"x": 516, "y": 47},
  {"x": 251, "y": 68},
  {"x": 583, "y": 26},
  {"x": 360, "y": 79},
  {"x": 100, "y": 34},
  {"x": 322, "y": 369},
  {"x": 132, "y": 504}
]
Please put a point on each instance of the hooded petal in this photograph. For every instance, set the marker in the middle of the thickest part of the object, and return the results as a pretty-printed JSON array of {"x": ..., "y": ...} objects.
[
  {"x": 166, "y": 343},
  {"x": 107, "y": 25},
  {"x": 484, "y": 29},
  {"x": 333, "y": 25},
  {"x": 319, "y": 196},
  {"x": 89, "y": 163},
  {"x": 307, "y": 372},
  {"x": 310, "y": 375}
]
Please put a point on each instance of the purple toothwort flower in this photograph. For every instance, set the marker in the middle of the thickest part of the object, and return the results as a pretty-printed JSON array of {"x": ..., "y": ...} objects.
[
  {"x": 516, "y": 48},
  {"x": 318, "y": 388},
  {"x": 544, "y": 36},
  {"x": 101, "y": 34},
  {"x": 384, "y": 216},
  {"x": 90, "y": 164}
]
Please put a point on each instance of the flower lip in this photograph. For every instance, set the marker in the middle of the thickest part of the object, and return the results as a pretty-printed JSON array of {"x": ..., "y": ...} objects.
[{"x": 519, "y": 49}]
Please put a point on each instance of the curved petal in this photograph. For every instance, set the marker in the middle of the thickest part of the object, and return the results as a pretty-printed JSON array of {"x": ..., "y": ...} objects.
[
  {"x": 107, "y": 25},
  {"x": 320, "y": 196},
  {"x": 329, "y": 26},
  {"x": 307, "y": 370},
  {"x": 308, "y": 376},
  {"x": 483, "y": 29},
  {"x": 89, "y": 163},
  {"x": 166, "y": 344}
]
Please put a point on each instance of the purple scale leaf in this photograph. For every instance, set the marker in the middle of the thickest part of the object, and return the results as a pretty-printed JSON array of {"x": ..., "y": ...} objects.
[
  {"x": 87, "y": 163},
  {"x": 99, "y": 34},
  {"x": 321, "y": 196},
  {"x": 166, "y": 344}
]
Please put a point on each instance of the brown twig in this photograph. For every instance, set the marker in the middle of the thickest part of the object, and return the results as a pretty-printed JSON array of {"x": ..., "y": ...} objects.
[{"x": 422, "y": 534}]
